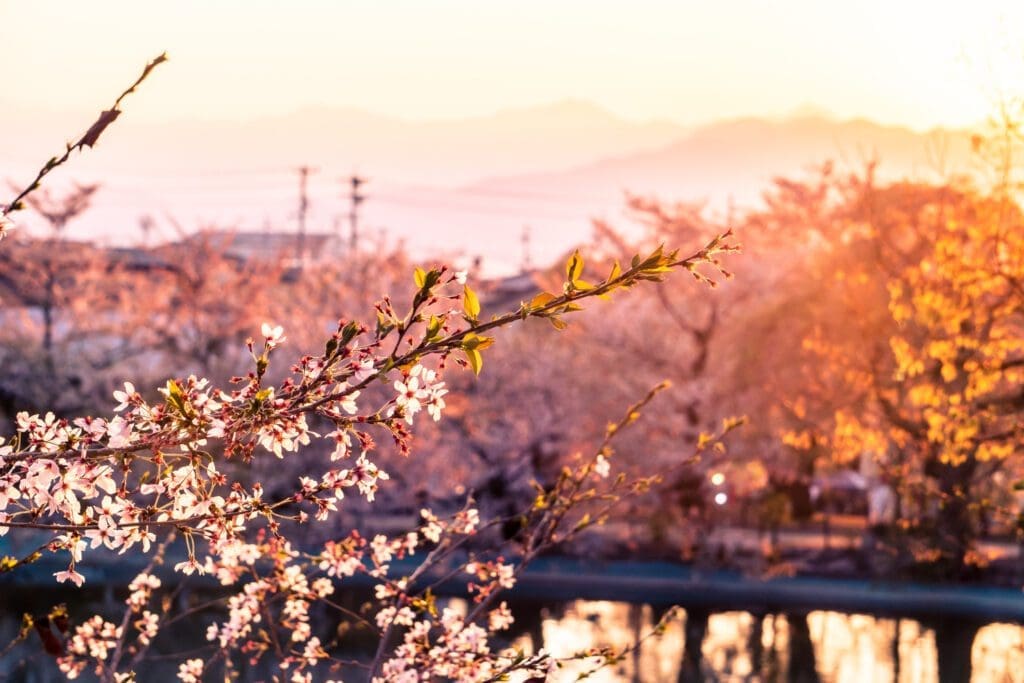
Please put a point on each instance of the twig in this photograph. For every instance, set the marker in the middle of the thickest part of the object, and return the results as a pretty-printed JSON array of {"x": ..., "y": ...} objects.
[{"x": 88, "y": 139}]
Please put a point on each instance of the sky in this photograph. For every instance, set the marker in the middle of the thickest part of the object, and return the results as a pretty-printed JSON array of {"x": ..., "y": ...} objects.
[
  {"x": 252, "y": 88},
  {"x": 919, "y": 64}
]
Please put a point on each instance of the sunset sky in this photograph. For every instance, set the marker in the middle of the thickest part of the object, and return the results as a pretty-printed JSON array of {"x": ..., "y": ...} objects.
[
  {"x": 590, "y": 98},
  {"x": 920, "y": 64}
]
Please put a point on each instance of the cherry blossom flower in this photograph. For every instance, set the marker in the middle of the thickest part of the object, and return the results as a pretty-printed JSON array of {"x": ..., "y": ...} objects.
[
  {"x": 500, "y": 619},
  {"x": 6, "y": 225},
  {"x": 342, "y": 444},
  {"x": 410, "y": 396},
  {"x": 191, "y": 671},
  {"x": 147, "y": 625},
  {"x": 189, "y": 567},
  {"x": 364, "y": 371},
  {"x": 348, "y": 401},
  {"x": 70, "y": 575},
  {"x": 127, "y": 397},
  {"x": 119, "y": 433},
  {"x": 274, "y": 335}
]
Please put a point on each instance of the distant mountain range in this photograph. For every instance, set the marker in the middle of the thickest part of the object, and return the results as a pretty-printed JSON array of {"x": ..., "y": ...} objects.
[
  {"x": 441, "y": 152},
  {"x": 470, "y": 185},
  {"x": 740, "y": 157}
]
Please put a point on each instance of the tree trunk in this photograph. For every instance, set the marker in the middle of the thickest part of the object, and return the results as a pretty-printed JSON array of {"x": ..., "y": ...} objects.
[
  {"x": 802, "y": 667},
  {"x": 695, "y": 629},
  {"x": 954, "y": 639},
  {"x": 955, "y": 527}
]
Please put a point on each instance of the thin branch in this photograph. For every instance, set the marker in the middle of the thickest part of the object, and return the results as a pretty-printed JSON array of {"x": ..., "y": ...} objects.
[{"x": 88, "y": 139}]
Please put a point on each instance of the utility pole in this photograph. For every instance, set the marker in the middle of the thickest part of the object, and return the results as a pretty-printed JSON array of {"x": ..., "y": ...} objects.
[
  {"x": 300, "y": 246},
  {"x": 355, "y": 199},
  {"x": 146, "y": 225},
  {"x": 526, "y": 263}
]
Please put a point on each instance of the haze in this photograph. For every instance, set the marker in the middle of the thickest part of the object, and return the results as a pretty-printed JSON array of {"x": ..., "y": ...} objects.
[{"x": 545, "y": 111}]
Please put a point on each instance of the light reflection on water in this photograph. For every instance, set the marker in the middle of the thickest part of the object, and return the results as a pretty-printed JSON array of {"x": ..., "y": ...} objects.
[{"x": 738, "y": 646}]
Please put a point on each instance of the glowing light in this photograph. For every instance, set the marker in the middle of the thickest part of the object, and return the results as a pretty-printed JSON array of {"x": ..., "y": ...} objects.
[
  {"x": 717, "y": 478},
  {"x": 721, "y": 498}
]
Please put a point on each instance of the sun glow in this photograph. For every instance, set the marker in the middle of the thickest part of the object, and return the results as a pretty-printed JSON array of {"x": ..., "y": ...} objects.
[{"x": 913, "y": 63}]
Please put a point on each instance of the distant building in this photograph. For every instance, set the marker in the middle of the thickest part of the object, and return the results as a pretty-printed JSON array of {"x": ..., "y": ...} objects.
[
  {"x": 265, "y": 246},
  {"x": 506, "y": 293}
]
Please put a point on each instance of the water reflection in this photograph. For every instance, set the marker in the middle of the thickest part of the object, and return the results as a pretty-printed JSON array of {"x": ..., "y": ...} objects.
[{"x": 818, "y": 646}]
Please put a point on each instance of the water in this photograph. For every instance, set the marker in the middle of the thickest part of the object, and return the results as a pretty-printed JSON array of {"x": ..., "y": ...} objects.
[
  {"x": 740, "y": 646},
  {"x": 728, "y": 646}
]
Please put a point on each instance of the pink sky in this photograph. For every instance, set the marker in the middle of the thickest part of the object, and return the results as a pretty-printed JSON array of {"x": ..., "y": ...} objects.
[
  {"x": 255, "y": 88},
  {"x": 915, "y": 63}
]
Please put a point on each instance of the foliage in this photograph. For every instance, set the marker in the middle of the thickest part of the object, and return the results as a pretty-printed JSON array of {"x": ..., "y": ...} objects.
[{"x": 907, "y": 345}]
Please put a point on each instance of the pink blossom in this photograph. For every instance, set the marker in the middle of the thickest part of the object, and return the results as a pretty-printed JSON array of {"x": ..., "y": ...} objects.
[
  {"x": 70, "y": 574},
  {"x": 274, "y": 334}
]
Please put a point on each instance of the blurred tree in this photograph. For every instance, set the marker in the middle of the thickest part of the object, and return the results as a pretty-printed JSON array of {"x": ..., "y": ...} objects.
[
  {"x": 55, "y": 298},
  {"x": 903, "y": 342}
]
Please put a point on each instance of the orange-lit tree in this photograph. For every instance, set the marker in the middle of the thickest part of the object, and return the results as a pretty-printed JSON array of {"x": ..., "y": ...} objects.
[{"x": 907, "y": 345}]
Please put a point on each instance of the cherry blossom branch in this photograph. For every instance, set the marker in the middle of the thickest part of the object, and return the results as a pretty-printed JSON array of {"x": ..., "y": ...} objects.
[
  {"x": 88, "y": 139},
  {"x": 115, "y": 659},
  {"x": 56, "y": 469}
]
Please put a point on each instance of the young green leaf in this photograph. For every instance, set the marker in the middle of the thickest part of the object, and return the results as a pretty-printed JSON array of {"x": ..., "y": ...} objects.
[
  {"x": 476, "y": 361},
  {"x": 574, "y": 267},
  {"x": 476, "y": 341},
  {"x": 470, "y": 303},
  {"x": 542, "y": 300}
]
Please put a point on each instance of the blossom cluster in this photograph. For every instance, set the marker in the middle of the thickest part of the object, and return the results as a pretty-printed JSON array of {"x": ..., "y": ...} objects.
[{"x": 165, "y": 465}]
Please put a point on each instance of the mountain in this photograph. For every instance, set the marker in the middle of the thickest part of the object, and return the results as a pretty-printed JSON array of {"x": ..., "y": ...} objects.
[
  {"x": 466, "y": 187},
  {"x": 730, "y": 162},
  {"x": 445, "y": 152},
  {"x": 739, "y": 158}
]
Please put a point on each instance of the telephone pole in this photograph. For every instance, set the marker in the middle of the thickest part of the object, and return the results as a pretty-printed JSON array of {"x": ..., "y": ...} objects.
[
  {"x": 526, "y": 265},
  {"x": 146, "y": 225},
  {"x": 355, "y": 199},
  {"x": 300, "y": 245}
]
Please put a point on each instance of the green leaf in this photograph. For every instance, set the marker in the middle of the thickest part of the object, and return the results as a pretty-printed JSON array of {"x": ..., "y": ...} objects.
[
  {"x": 574, "y": 267},
  {"x": 176, "y": 397},
  {"x": 420, "y": 277},
  {"x": 476, "y": 361},
  {"x": 385, "y": 325},
  {"x": 582, "y": 285},
  {"x": 475, "y": 341},
  {"x": 433, "y": 327},
  {"x": 433, "y": 276},
  {"x": 470, "y": 303},
  {"x": 542, "y": 299},
  {"x": 349, "y": 332}
]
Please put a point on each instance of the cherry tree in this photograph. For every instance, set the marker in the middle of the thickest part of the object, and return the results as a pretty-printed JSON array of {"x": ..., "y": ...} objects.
[{"x": 166, "y": 476}]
